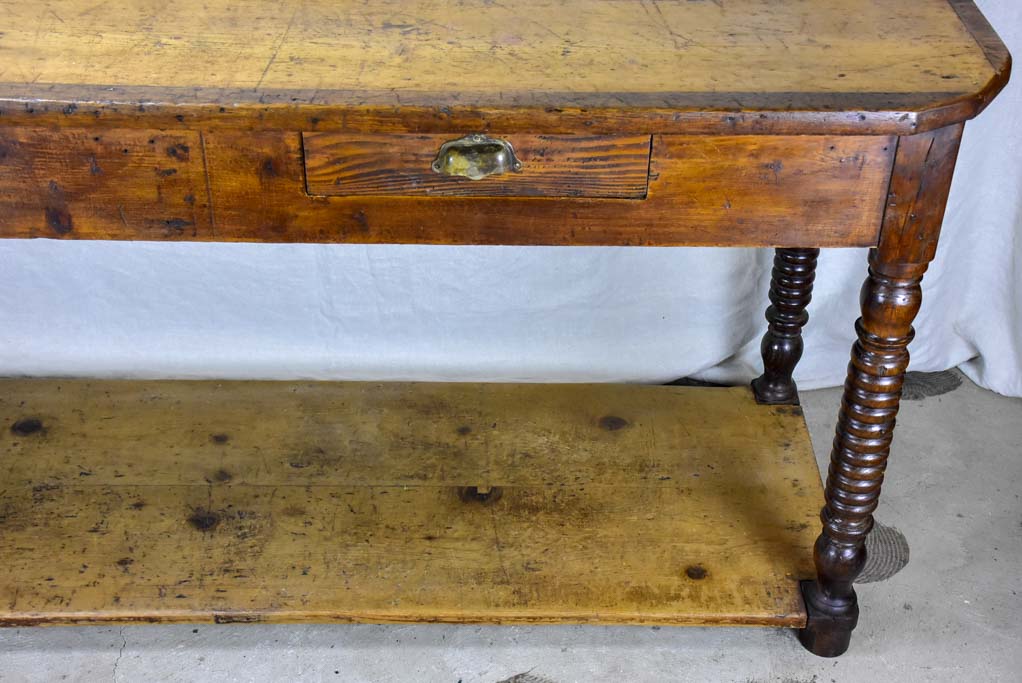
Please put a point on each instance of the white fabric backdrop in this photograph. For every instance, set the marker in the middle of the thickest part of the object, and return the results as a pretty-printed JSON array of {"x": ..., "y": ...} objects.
[{"x": 525, "y": 314}]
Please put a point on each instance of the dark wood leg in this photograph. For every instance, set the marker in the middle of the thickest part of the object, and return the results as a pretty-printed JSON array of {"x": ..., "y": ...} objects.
[
  {"x": 791, "y": 289},
  {"x": 890, "y": 300}
]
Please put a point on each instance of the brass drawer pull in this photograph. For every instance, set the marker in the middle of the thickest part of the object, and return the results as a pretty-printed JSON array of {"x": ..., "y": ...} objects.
[{"x": 476, "y": 157}]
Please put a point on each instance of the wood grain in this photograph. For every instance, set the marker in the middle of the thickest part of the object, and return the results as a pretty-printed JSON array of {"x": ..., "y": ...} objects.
[
  {"x": 900, "y": 66},
  {"x": 273, "y": 501},
  {"x": 890, "y": 299},
  {"x": 92, "y": 184},
  {"x": 342, "y": 164},
  {"x": 791, "y": 290},
  {"x": 920, "y": 183},
  {"x": 745, "y": 190},
  {"x": 742, "y": 190}
]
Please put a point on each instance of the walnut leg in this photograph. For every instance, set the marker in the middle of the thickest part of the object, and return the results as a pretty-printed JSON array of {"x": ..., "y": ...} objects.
[
  {"x": 890, "y": 299},
  {"x": 791, "y": 289}
]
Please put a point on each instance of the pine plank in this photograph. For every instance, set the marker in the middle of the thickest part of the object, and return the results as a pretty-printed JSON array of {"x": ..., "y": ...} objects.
[
  {"x": 253, "y": 61},
  {"x": 125, "y": 501},
  {"x": 471, "y": 46}
]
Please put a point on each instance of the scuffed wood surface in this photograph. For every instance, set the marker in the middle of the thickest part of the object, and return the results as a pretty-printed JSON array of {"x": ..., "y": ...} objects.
[
  {"x": 742, "y": 190},
  {"x": 273, "y": 501},
  {"x": 91, "y": 184},
  {"x": 494, "y": 48},
  {"x": 866, "y": 65},
  {"x": 916, "y": 200},
  {"x": 735, "y": 190},
  {"x": 345, "y": 165}
]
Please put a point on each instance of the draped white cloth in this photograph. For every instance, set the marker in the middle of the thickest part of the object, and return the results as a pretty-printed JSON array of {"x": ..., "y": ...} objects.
[{"x": 514, "y": 314}]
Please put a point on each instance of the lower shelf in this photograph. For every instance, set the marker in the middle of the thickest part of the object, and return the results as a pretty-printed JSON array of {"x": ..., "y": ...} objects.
[{"x": 127, "y": 501}]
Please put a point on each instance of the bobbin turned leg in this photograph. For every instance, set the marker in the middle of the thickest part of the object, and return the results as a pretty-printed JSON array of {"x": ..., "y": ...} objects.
[
  {"x": 890, "y": 299},
  {"x": 791, "y": 289}
]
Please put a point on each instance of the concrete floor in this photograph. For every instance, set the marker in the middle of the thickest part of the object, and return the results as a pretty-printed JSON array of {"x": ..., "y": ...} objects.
[{"x": 953, "y": 614}]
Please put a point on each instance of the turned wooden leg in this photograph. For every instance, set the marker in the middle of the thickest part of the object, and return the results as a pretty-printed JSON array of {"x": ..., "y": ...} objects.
[
  {"x": 791, "y": 289},
  {"x": 890, "y": 300}
]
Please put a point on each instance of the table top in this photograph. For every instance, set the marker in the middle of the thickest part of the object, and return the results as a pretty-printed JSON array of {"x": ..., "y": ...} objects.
[{"x": 862, "y": 63}]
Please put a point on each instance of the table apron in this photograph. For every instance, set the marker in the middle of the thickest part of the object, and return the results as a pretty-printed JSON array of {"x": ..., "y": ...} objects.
[{"x": 243, "y": 186}]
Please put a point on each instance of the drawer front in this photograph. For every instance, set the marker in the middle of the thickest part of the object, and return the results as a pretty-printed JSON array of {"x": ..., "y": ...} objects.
[
  {"x": 350, "y": 165},
  {"x": 103, "y": 184}
]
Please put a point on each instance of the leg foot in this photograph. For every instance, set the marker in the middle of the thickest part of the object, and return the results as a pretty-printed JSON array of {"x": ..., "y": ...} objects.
[{"x": 827, "y": 632}]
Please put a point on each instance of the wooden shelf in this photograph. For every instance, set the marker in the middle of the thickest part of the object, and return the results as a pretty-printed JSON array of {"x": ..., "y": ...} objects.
[{"x": 126, "y": 501}]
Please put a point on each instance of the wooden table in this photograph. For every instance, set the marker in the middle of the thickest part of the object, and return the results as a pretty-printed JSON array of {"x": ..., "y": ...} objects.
[{"x": 772, "y": 123}]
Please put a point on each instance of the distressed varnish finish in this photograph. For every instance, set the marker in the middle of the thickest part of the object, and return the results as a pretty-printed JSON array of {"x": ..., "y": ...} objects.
[
  {"x": 743, "y": 190},
  {"x": 344, "y": 165},
  {"x": 742, "y": 100},
  {"x": 746, "y": 190},
  {"x": 890, "y": 299},
  {"x": 538, "y": 66},
  {"x": 791, "y": 290},
  {"x": 274, "y": 501},
  {"x": 613, "y": 46},
  {"x": 89, "y": 184}
]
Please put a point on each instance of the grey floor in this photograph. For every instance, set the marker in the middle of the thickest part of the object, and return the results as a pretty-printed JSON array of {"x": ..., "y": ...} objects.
[{"x": 953, "y": 614}]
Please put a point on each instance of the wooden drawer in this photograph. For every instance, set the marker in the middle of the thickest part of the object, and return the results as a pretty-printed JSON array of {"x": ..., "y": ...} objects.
[{"x": 603, "y": 166}]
